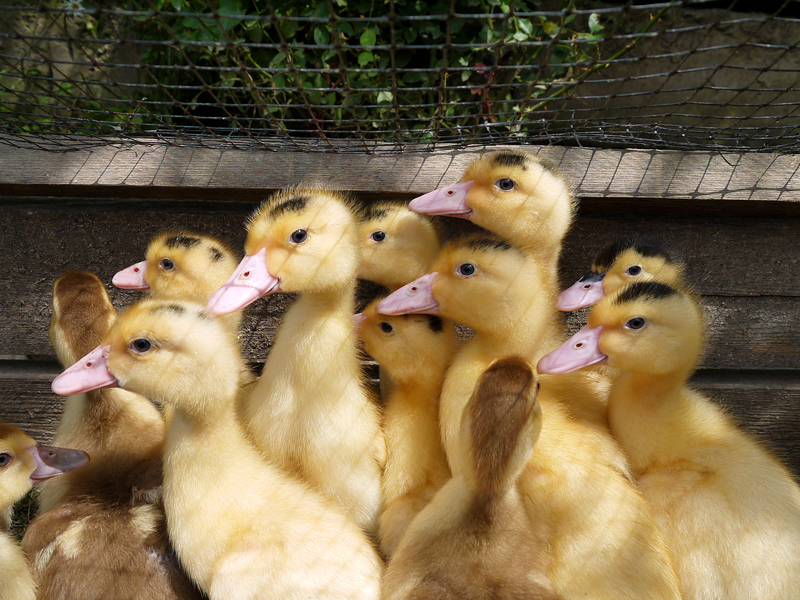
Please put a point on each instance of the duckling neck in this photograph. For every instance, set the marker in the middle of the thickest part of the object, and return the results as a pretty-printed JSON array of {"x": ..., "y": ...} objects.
[{"x": 647, "y": 413}]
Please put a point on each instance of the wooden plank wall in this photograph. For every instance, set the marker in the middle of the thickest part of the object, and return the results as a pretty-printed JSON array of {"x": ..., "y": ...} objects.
[{"x": 736, "y": 219}]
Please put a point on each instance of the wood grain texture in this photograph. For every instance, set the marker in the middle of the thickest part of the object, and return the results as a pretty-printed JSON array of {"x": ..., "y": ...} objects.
[{"x": 153, "y": 168}]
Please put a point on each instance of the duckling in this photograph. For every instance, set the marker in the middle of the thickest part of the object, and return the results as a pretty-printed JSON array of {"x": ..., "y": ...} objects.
[
  {"x": 101, "y": 531},
  {"x": 242, "y": 527},
  {"x": 601, "y": 535},
  {"x": 397, "y": 245},
  {"x": 415, "y": 350},
  {"x": 22, "y": 464},
  {"x": 729, "y": 510},
  {"x": 626, "y": 260},
  {"x": 182, "y": 265},
  {"x": 475, "y": 540},
  {"x": 310, "y": 412}
]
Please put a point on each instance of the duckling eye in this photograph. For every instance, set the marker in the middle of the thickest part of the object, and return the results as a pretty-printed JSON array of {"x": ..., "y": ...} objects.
[
  {"x": 141, "y": 345},
  {"x": 385, "y": 327},
  {"x": 636, "y": 323},
  {"x": 167, "y": 264},
  {"x": 466, "y": 269},
  {"x": 5, "y": 459},
  {"x": 299, "y": 236},
  {"x": 634, "y": 270},
  {"x": 378, "y": 236},
  {"x": 504, "y": 184}
]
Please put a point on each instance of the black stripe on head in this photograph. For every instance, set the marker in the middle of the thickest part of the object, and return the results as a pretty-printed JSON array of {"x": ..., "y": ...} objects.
[
  {"x": 294, "y": 203},
  {"x": 183, "y": 241},
  {"x": 216, "y": 253},
  {"x": 644, "y": 290},
  {"x": 644, "y": 246},
  {"x": 174, "y": 308},
  {"x": 379, "y": 209},
  {"x": 509, "y": 159},
  {"x": 484, "y": 243}
]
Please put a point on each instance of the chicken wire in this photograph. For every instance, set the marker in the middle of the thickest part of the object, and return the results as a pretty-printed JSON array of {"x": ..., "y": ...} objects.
[{"x": 374, "y": 75}]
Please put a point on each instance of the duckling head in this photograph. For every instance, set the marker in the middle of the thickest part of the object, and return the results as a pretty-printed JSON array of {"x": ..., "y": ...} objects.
[
  {"x": 23, "y": 463},
  {"x": 627, "y": 260},
  {"x": 404, "y": 344},
  {"x": 397, "y": 245},
  {"x": 172, "y": 352},
  {"x": 180, "y": 265},
  {"x": 646, "y": 327},
  {"x": 300, "y": 240},
  {"x": 479, "y": 280},
  {"x": 82, "y": 313},
  {"x": 512, "y": 193}
]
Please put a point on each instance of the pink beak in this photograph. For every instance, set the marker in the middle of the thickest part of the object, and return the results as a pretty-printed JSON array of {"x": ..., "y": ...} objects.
[
  {"x": 51, "y": 461},
  {"x": 89, "y": 373},
  {"x": 132, "y": 278},
  {"x": 450, "y": 201},
  {"x": 415, "y": 297},
  {"x": 586, "y": 291},
  {"x": 581, "y": 350},
  {"x": 249, "y": 282}
]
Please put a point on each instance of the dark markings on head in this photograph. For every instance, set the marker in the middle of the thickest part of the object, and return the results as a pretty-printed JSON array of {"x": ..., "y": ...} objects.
[
  {"x": 294, "y": 203},
  {"x": 644, "y": 290},
  {"x": 644, "y": 246},
  {"x": 434, "y": 323},
  {"x": 175, "y": 308},
  {"x": 183, "y": 241},
  {"x": 216, "y": 253},
  {"x": 483, "y": 242},
  {"x": 509, "y": 159},
  {"x": 499, "y": 410}
]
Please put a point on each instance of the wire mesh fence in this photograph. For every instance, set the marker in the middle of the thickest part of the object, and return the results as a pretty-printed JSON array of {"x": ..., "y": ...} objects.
[{"x": 372, "y": 75}]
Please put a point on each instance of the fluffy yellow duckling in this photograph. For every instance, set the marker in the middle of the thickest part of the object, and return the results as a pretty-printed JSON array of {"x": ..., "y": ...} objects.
[
  {"x": 397, "y": 245},
  {"x": 241, "y": 526},
  {"x": 624, "y": 261},
  {"x": 182, "y": 265},
  {"x": 729, "y": 510},
  {"x": 310, "y": 412},
  {"x": 415, "y": 350},
  {"x": 475, "y": 540},
  {"x": 23, "y": 464},
  {"x": 101, "y": 531},
  {"x": 601, "y": 535}
]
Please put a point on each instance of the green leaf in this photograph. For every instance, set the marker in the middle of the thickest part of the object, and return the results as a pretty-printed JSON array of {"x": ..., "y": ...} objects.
[
  {"x": 594, "y": 23},
  {"x": 525, "y": 26},
  {"x": 279, "y": 81},
  {"x": 321, "y": 37},
  {"x": 367, "y": 39},
  {"x": 230, "y": 7},
  {"x": 364, "y": 58},
  {"x": 345, "y": 28},
  {"x": 385, "y": 97}
]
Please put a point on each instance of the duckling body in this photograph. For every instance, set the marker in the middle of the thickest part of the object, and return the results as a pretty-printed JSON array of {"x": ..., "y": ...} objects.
[
  {"x": 21, "y": 466},
  {"x": 415, "y": 350},
  {"x": 309, "y": 412},
  {"x": 729, "y": 510},
  {"x": 101, "y": 531},
  {"x": 241, "y": 526},
  {"x": 599, "y": 533},
  {"x": 183, "y": 265},
  {"x": 475, "y": 540}
]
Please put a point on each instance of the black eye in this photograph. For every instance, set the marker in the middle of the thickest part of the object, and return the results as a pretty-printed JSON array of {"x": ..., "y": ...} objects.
[
  {"x": 141, "y": 345},
  {"x": 385, "y": 327},
  {"x": 466, "y": 269},
  {"x": 634, "y": 270},
  {"x": 5, "y": 459},
  {"x": 167, "y": 264},
  {"x": 378, "y": 236},
  {"x": 504, "y": 184},
  {"x": 636, "y": 323},
  {"x": 299, "y": 236}
]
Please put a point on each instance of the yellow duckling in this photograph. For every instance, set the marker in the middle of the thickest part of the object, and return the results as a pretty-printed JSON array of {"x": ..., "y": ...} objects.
[
  {"x": 101, "y": 531},
  {"x": 627, "y": 260},
  {"x": 475, "y": 540},
  {"x": 182, "y": 265},
  {"x": 415, "y": 350},
  {"x": 241, "y": 526},
  {"x": 601, "y": 535},
  {"x": 397, "y": 245},
  {"x": 23, "y": 464},
  {"x": 310, "y": 412},
  {"x": 729, "y": 510}
]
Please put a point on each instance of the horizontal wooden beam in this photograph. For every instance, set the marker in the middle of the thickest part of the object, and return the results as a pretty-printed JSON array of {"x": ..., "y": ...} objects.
[{"x": 155, "y": 169}]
